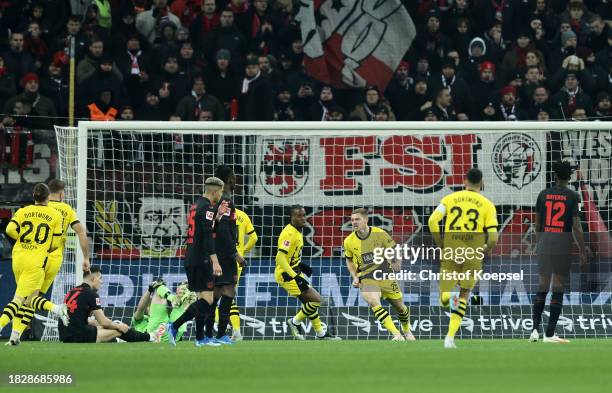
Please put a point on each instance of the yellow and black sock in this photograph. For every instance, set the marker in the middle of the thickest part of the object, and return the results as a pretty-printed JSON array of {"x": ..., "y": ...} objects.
[
  {"x": 404, "y": 318},
  {"x": 40, "y": 303},
  {"x": 27, "y": 313},
  {"x": 456, "y": 317},
  {"x": 385, "y": 319},
  {"x": 235, "y": 316},
  {"x": 9, "y": 313},
  {"x": 310, "y": 310}
]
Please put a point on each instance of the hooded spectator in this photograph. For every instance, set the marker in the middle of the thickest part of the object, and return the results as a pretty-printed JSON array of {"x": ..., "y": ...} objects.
[{"x": 221, "y": 80}]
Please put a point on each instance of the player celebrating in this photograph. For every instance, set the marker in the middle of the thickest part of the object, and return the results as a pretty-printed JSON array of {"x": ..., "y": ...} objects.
[
  {"x": 471, "y": 223},
  {"x": 226, "y": 238},
  {"x": 201, "y": 263},
  {"x": 556, "y": 218},
  {"x": 288, "y": 274},
  {"x": 36, "y": 229},
  {"x": 245, "y": 228},
  {"x": 54, "y": 262},
  {"x": 359, "y": 247},
  {"x": 83, "y": 301}
]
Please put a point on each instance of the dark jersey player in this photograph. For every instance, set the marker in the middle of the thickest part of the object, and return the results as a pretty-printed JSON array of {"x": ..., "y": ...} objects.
[
  {"x": 226, "y": 239},
  {"x": 82, "y": 302},
  {"x": 557, "y": 224},
  {"x": 201, "y": 263}
]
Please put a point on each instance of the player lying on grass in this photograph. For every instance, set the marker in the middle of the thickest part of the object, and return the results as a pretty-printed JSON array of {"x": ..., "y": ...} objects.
[
  {"x": 36, "y": 230},
  {"x": 471, "y": 223},
  {"x": 288, "y": 274},
  {"x": 359, "y": 249},
  {"x": 201, "y": 264},
  {"x": 54, "y": 261},
  {"x": 158, "y": 306},
  {"x": 557, "y": 218},
  {"x": 82, "y": 302}
]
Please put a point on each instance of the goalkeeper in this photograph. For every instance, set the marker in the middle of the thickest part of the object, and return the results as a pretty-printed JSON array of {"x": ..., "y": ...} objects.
[{"x": 158, "y": 306}]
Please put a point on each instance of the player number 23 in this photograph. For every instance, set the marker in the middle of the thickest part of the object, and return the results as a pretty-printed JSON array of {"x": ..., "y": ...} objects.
[{"x": 472, "y": 219}]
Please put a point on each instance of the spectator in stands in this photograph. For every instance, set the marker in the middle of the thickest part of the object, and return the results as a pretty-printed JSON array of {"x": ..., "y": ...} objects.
[
  {"x": 205, "y": 22},
  {"x": 514, "y": 60},
  {"x": 187, "y": 10},
  {"x": 105, "y": 76},
  {"x": 443, "y": 105},
  {"x": 399, "y": 90},
  {"x": 540, "y": 102},
  {"x": 8, "y": 87},
  {"x": 55, "y": 85},
  {"x": 221, "y": 81},
  {"x": 603, "y": 107},
  {"x": 419, "y": 100},
  {"x": 42, "y": 107},
  {"x": 493, "y": 44},
  {"x": 227, "y": 36},
  {"x": 155, "y": 108},
  {"x": 579, "y": 114},
  {"x": 191, "y": 62},
  {"x": 476, "y": 55},
  {"x": 86, "y": 67},
  {"x": 126, "y": 113},
  {"x": 508, "y": 107},
  {"x": 319, "y": 111},
  {"x": 572, "y": 96},
  {"x": 455, "y": 84},
  {"x": 18, "y": 116},
  {"x": 532, "y": 79},
  {"x": 366, "y": 111},
  {"x": 190, "y": 106},
  {"x": 135, "y": 64},
  {"x": 430, "y": 41},
  {"x": 16, "y": 60},
  {"x": 267, "y": 70},
  {"x": 598, "y": 34},
  {"x": 568, "y": 48},
  {"x": 484, "y": 91},
  {"x": 73, "y": 29},
  {"x": 35, "y": 45},
  {"x": 170, "y": 83},
  {"x": 149, "y": 22},
  {"x": 256, "y": 96},
  {"x": 284, "y": 110},
  {"x": 102, "y": 109}
]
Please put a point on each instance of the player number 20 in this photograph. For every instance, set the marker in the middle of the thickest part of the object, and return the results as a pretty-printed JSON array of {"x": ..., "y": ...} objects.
[
  {"x": 41, "y": 235},
  {"x": 472, "y": 218}
]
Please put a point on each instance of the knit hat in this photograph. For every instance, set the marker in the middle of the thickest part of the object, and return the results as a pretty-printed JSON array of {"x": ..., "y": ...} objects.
[
  {"x": 223, "y": 54},
  {"x": 487, "y": 65},
  {"x": 30, "y": 76},
  {"x": 508, "y": 90},
  {"x": 566, "y": 35}
]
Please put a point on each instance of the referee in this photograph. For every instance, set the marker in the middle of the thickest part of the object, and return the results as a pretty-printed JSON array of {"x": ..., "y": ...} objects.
[{"x": 201, "y": 263}]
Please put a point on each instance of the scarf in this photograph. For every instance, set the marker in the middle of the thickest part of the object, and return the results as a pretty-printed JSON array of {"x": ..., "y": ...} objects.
[
  {"x": 571, "y": 98},
  {"x": 448, "y": 84},
  {"x": 134, "y": 67},
  {"x": 246, "y": 82},
  {"x": 198, "y": 104},
  {"x": 499, "y": 8},
  {"x": 209, "y": 25},
  {"x": 508, "y": 115}
]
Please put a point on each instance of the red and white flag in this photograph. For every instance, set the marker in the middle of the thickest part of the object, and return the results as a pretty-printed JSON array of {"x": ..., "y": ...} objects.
[{"x": 354, "y": 43}]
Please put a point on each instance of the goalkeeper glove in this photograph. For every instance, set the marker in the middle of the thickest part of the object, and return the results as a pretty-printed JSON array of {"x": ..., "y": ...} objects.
[
  {"x": 156, "y": 284},
  {"x": 299, "y": 280},
  {"x": 306, "y": 269}
]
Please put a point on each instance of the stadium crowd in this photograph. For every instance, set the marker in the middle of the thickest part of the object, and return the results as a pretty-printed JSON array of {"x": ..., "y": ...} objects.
[{"x": 213, "y": 60}]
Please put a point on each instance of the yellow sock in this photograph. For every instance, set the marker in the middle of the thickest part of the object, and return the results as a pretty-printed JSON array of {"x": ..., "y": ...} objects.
[
  {"x": 383, "y": 316},
  {"x": 9, "y": 313},
  {"x": 216, "y": 314},
  {"x": 27, "y": 313},
  {"x": 456, "y": 317},
  {"x": 40, "y": 303},
  {"x": 310, "y": 310},
  {"x": 235, "y": 316},
  {"x": 404, "y": 318},
  {"x": 445, "y": 299}
]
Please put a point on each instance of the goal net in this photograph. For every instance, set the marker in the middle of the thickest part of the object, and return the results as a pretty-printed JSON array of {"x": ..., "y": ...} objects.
[{"x": 135, "y": 182}]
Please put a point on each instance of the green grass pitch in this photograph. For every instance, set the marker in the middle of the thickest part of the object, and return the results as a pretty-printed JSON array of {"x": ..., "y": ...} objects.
[{"x": 495, "y": 366}]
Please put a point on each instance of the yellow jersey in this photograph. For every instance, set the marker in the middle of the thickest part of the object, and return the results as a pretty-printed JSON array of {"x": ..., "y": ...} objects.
[
  {"x": 36, "y": 229},
  {"x": 361, "y": 251},
  {"x": 70, "y": 218},
  {"x": 245, "y": 228},
  {"x": 469, "y": 215},
  {"x": 291, "y": 242}
]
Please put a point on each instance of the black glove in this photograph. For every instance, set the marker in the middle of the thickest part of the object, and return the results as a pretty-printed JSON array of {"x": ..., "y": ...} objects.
[
  {"x": 306, "y": 269},
  {"x": 299, "y": 280},
  {"x": 156, "y": 284}
]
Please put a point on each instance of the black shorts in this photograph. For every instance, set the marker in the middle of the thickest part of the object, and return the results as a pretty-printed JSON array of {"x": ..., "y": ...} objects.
[
  {"x": 200, "y": 277},
  {"x": 85, "y": 334},
  {"x": 554, "y": 268},
  {"x": 229, "y": 272}
]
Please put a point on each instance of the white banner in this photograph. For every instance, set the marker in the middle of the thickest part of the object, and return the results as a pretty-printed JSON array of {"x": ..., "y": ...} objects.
[{"x": 402, "y": 170}]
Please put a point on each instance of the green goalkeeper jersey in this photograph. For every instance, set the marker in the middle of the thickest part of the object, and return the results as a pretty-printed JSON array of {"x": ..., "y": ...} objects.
[
  {"x": 159, "y": 314},
  {"x": 141, "y": 324}
]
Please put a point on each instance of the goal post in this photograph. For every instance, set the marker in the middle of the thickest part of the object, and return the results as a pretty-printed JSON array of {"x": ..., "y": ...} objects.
[{"x": 134, "y": 183}]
